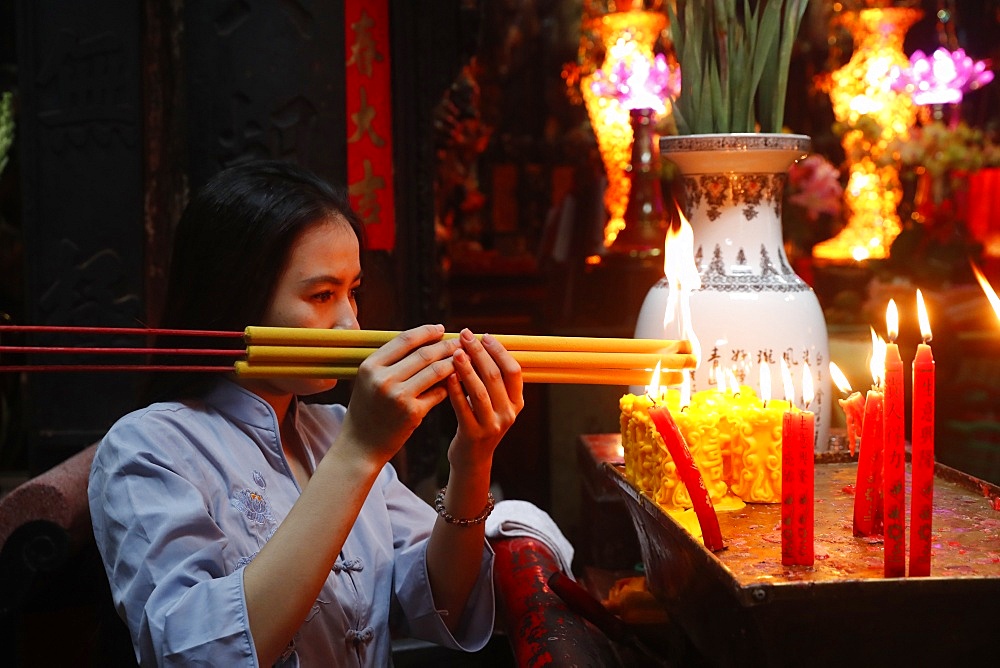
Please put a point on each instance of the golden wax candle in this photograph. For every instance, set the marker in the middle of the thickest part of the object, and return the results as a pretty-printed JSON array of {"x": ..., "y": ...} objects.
[{"x": 756, "y": 454}]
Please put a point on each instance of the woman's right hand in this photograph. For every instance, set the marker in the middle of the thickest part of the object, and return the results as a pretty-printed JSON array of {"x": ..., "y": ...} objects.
[{"x": 396, "y": 387}]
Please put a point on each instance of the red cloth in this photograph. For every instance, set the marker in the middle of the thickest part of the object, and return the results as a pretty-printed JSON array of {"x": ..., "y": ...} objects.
[
  {"x": 541, "y": 627},
  {"x": 369, "y": 119},
  {"x": 984, "y": 203}
]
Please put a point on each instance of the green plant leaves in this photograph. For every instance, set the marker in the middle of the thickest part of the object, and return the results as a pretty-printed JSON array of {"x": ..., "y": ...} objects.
[{"x": 734, "y": 61}]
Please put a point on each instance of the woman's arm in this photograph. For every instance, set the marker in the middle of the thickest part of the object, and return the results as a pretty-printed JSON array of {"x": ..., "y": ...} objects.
[
  {"x": 396, "y": 387},
  {"x": 486, "y": 393}
]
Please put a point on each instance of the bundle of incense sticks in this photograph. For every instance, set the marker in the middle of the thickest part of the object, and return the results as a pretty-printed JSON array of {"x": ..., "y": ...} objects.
[
  {"x": 544, "y": 359},
  {"x": 336, "y": 353}
]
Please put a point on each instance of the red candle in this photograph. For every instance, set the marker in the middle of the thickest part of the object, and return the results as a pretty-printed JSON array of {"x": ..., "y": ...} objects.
[
  {"x": 922, "y": 449},
  {"x": 853, "y": 405},
  {"x": 797, "y": 480},
  {"x": 894, "y": 455},
  {"x": 868, "y": 485},
  {"x": 689, "y": 474}
]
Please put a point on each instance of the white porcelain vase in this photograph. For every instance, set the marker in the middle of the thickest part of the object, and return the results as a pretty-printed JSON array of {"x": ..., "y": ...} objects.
[{"x": 751, "y": 308}]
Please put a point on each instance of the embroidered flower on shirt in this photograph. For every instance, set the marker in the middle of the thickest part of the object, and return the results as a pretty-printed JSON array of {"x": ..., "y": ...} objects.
[{"x": 253, "y": 505}]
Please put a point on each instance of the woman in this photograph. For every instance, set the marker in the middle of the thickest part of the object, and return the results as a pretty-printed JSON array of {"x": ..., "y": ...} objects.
[{"x": 241, "y": 526}]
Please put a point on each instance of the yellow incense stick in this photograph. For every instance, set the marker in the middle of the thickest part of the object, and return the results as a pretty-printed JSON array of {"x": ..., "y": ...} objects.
[
  {"x": 530, "y": 375},
  {"x": 526, "y": 358},
  {"x": 295, "y": 336}
]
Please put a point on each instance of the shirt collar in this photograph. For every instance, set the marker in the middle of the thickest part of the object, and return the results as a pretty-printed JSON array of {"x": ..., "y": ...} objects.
[{"x": 242, "y": 405}]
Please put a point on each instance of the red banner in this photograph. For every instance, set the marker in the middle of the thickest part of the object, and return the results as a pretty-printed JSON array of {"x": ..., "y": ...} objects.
[{"x": 369, "y": 119}]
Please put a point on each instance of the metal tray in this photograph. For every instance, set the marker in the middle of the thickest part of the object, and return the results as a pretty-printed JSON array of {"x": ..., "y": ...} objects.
[{"x": 741, "y": 607}]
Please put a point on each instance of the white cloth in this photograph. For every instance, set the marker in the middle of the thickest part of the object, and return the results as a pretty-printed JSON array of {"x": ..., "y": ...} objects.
[{"x": 522, "y": 518}]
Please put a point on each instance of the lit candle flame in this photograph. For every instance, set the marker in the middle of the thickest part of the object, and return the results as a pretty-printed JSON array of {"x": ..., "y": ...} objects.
[
  {"x": 877, "y": 362},
  {"x": 786, "y": 379},
  {"x": 732, "y": 381},
  {"x": 925, "y": 322},
  {"x": 653, "y": 389},
  {"x": 892, "y": 320},
  {"x": 807, "y": 385},
  {"x": 988, "y": 289},
  {"x": 686, "y": 390},
  {"x": 682, "y": 278},
  {"x": 720, "y": 378},
  {"x": 765, "y": 382},
  {"x": 839, "y": 379}
]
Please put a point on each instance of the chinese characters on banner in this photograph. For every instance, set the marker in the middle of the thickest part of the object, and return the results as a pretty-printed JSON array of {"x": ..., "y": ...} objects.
[{"x": 369, "y": 119}]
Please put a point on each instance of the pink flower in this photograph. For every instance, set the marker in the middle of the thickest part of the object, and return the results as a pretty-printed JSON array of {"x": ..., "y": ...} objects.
[
  {"x": 941, "y": 78},
  {"x": 814, "y": 185},
  {"x": 637, "y": 83}
]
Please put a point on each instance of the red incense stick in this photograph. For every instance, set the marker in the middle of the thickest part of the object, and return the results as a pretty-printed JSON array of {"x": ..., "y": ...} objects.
[
  {"x": 50, "y": 368},
  {"x": 122, "y": 351},
  {"x": 143, "y": 331}
]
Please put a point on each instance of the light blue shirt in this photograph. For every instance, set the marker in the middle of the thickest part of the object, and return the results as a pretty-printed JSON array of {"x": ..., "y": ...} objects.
[{"x": 183, "y": 495}]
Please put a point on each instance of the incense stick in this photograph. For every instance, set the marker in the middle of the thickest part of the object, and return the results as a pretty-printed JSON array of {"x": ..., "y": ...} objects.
[
  {"x": 296, "y": 336},
  {"x": 116, "y": 368},
  {"x": 71, "y": 350},
  {"x": 129, "y": 331},
  {"x": 327, "y": 353},
  {"x": 528, "y": 375},
  {"x": 526, "y": 358}
]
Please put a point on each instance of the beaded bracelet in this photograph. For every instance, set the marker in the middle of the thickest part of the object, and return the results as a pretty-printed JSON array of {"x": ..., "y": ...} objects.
[{"x": 461, "y": 521}]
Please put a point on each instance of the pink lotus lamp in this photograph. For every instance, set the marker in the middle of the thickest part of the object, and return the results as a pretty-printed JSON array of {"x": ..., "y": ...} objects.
[{"x": 941, "y": 78}]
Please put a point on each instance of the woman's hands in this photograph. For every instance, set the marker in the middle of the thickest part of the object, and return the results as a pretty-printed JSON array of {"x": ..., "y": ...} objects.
[
  {"x": 402, "y": 381},
  {"x": 396, "y": 387},
  {"x": 486, "y": 393}
]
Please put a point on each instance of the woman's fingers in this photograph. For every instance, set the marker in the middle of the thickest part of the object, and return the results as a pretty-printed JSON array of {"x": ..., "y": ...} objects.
[
  {"x": 510, "y": 370},
  {"x": 456, "y": 390},
  {"x": 492, "y": 380},
  {"x": 418, "y": 357},
  {"x": 499, "y": 372}
]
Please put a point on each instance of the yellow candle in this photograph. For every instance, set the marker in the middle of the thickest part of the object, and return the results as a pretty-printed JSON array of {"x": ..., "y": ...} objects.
[
  {"x": 642, "y": 459},
  {"x": 701, "y": 433},
  {"x": 756, "y": 454}
]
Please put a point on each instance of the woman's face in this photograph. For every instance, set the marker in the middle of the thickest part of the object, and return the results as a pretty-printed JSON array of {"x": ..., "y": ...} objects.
[{"x": 317, "y": 288}]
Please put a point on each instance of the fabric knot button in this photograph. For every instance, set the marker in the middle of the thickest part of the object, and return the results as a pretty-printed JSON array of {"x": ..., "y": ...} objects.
[
  {"x": 349, "y": 565},
  {"x": 365, "y": 635}
]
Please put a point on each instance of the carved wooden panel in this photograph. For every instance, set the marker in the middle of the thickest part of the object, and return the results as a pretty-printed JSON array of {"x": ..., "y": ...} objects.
[
  {"x": 80, "y": 132},
  {"x": 265, "y": 79}
]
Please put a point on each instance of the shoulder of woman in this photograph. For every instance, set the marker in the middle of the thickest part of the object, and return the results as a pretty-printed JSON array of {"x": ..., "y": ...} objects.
[{"x": 155, "y": 431}]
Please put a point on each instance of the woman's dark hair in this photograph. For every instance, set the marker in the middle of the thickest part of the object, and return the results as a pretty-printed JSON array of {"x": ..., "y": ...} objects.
[{"x": 230, "y": 247}]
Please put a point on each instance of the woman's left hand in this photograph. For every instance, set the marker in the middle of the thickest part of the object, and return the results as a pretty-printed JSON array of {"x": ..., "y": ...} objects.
[{"x": 486, "y": 393}]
